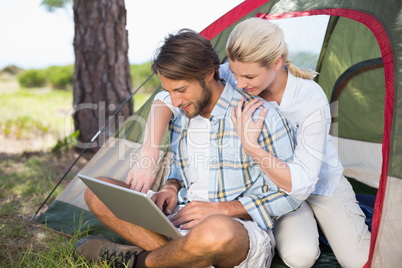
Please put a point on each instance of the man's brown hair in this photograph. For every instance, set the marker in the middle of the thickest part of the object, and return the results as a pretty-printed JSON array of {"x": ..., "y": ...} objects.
[{"x": 186, "y": 56}]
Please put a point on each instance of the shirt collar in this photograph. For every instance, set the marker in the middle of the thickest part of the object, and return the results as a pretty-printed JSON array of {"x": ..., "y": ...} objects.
[
  {"x": 290, "y": 90},
  {"x": 224, "y": 101}
]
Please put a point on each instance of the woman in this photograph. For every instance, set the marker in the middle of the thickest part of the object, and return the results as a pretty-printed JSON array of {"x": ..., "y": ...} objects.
[
  {"x": 258, "y": 59},
  {"x": 259, "y": 64}
]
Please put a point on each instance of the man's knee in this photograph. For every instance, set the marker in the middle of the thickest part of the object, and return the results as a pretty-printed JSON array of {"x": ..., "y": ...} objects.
[
  {"x": 88, "y": 195},
  {"x": 215, "y": 234},
  {"x": 90, "y": 198}
]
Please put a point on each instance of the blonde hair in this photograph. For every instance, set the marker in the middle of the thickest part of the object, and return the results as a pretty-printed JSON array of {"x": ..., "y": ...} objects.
[{"x": 259, "y": 40}]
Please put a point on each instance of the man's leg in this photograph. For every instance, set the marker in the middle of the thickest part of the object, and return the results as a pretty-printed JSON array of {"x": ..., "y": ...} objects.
[
  {"x": 343, "y": 224},
  {"x": 296, "y": 236},
  {"x": 136, "y": 235},
  {"x": 219, "y": 241}
]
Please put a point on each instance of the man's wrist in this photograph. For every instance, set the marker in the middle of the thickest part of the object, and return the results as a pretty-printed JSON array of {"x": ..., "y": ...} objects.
[
  {"x": 234, "y": 209},
  {"x": 173, "y": 184}
]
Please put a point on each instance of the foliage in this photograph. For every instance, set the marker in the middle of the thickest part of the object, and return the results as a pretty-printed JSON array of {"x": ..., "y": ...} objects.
[
  {"x": 139, "y": 73},
  {"x": 52, "y": 5},
  {"x": 23, "y": 126},
  {"x": 32, "y": 78},
  {"x": 60, "y": 77},
  {"x": 12, "y": 70},
  {"x": 67, "y": 143}
]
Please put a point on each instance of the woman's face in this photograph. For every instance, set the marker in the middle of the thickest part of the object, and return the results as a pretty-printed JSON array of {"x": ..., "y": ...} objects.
[{"x": 251, "y": 77}]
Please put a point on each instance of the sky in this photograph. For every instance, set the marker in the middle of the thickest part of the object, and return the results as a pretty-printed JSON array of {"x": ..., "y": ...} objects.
[{"x": 32, "y": 37}]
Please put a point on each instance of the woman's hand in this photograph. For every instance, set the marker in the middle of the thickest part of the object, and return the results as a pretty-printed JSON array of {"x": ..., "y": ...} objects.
[
  {"x": 247, "y": 129},
  {"x": 143, "y": 173}
]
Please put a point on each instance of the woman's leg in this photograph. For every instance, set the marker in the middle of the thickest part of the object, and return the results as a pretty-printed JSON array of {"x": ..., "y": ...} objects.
[
  {"x": 343, "y": 224},
  {"x": 296, "y": 237}
]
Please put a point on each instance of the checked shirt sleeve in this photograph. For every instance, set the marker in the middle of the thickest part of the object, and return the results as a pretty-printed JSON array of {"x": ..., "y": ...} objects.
[
  {"x": 275, "y": 138},
  {"x": 266, "y": 208},
  {"x": 174, "y": 170},
  {"x": 174, "y": 131},
  {"x": 276, "y": 135}
]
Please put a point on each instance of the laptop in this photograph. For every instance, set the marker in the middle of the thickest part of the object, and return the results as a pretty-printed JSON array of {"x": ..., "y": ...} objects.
[{"x": 131, "y": 206}]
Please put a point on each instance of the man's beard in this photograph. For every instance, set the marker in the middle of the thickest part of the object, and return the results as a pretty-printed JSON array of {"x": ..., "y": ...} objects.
[{"x": 200, "y": 104}]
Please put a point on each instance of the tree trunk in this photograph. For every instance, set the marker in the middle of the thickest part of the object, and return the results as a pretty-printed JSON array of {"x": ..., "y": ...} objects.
[{"x": 102, "y": 80}]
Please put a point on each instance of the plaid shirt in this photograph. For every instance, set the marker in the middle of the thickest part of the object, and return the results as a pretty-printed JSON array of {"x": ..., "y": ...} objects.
[{"x": 233, "y": 174}]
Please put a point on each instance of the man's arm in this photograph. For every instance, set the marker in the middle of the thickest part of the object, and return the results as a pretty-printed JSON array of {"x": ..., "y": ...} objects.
[
  {"x": 267, "y": 207},
  {"x": 234, "y": 209},
  {"x": 197, "y": 211},
  {"x": 166, "y": 198},
  {"x": 140, "y": 178}
]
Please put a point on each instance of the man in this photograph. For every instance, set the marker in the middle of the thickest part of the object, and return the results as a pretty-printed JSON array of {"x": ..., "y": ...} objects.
[{"x": 233, "y": 204}]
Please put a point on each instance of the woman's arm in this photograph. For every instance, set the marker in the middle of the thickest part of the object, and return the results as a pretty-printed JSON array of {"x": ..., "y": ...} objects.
[
  {"x": 143, "y": 173},
  {"x": 249, "y": 131},
  {"x": 299, "y": 176},
  {"x": 277, "y": 170}
]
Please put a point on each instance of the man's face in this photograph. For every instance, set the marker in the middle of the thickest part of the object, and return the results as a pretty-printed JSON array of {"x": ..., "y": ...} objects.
[{"x": 191, "y": 96}]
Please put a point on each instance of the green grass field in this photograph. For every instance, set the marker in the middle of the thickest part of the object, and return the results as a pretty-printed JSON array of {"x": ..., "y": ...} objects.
[
  {"x": 32, "y": 122},
  {"x": 37, "y": 110},
  {"x": 28, "y": 112}
]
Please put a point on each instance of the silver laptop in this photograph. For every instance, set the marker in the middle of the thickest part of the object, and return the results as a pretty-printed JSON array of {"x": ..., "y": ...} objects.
[{"x": 131, "y": 206}]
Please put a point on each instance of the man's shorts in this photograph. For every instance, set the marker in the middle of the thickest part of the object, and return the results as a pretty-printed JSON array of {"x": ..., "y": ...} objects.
[{"x": 262, "y": 246}]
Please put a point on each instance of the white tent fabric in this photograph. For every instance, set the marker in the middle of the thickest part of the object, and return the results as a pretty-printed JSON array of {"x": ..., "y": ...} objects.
[
  {"x": 114, "y": 160},
  {"x": 361, "y": 160}
]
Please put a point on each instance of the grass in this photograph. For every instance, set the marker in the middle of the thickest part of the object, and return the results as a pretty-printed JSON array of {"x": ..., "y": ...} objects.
[
  {"x": 28, "y": 173},
  {"x": 27, "y": 114},
  {"x": 23, "y": 112},
  {"x": 25, "y": 181}
]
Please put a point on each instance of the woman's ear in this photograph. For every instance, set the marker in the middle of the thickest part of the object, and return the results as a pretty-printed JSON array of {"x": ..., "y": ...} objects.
[{"x": 278, "y": 64}]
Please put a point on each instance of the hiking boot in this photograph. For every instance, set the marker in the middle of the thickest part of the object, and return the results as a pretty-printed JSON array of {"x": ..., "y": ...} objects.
[{"x": 97, "y": 249}]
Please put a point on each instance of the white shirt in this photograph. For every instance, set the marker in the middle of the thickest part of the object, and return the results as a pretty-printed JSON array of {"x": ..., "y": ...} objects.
[
  {"x": 198, "y": 150},
  {"x": 316, "y": 167},
  {"x": 198, "y": 140}
]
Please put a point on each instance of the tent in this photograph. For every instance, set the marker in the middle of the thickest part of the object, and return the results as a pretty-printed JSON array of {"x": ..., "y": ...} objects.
[{"x": 360, "y": 68}]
